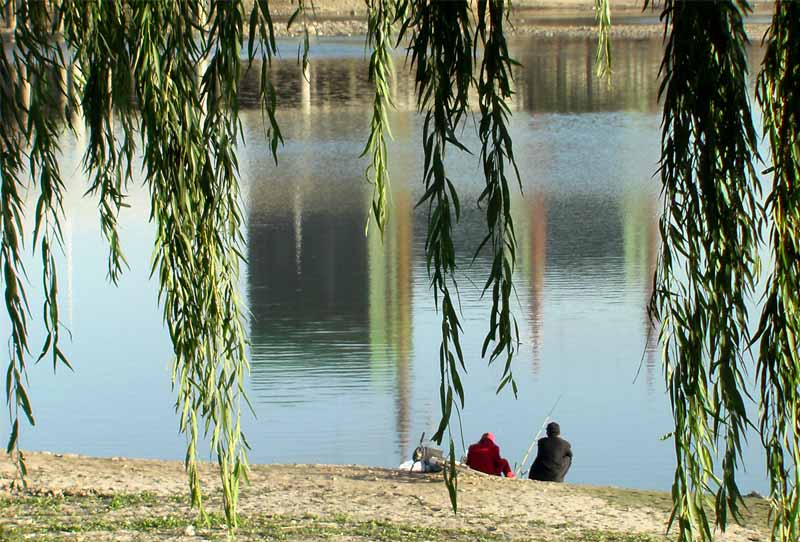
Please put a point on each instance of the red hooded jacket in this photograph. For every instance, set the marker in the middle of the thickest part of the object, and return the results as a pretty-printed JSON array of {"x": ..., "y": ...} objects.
[{"x": 484, "y": 456}]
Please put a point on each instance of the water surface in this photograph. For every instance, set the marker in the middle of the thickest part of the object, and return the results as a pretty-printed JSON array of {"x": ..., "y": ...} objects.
[{"x": 343, "y": 329}]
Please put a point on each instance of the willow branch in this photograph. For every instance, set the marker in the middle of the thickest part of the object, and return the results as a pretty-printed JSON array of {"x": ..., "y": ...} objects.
[
  {"x": 709, "y": 229},
  {"x": 778, "y": 92},
  {"x": 381, "y": 68},
  {"x": 602, "y": 13},
  {"x": 441, "y": 54},
  {"x": 494, "y": 90}
]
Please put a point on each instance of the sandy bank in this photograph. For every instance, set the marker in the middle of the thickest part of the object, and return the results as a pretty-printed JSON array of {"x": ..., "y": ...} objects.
[
  {"x": 542, "y": 18},
  {"x": 130, "y": 499},
  {"x": 523, "y": 24}
]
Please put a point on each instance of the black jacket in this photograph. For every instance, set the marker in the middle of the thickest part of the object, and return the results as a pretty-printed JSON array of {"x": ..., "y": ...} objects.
[{"x": 553, "y": 460}]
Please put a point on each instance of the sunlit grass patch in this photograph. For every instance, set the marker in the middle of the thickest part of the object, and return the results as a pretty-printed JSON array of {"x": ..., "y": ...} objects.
[
  {"x": 124, "y": 500},
  {"x": 614, "y": 536},
  {"x": 159, "y": 518}
]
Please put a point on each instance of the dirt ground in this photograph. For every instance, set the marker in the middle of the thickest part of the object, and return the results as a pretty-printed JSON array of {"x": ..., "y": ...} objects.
[
  {"x": 358, "y": 7},
  {"x": 544, "y": 18},
  {"x": 548, "y": 22},
  {"x": 490, "y": 508}
]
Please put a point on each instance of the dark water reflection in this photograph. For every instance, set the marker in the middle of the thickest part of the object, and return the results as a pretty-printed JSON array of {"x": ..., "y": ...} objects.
[
  {"x": 345, "y": 329},
  {"x": 344, "y": 334},
  {"x": 557, "y": 75}
]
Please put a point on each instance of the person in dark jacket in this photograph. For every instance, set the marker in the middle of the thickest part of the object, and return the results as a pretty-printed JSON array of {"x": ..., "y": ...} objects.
[
  {"x": 554, "y": 457},
  {"x": 484, "y": 456}
]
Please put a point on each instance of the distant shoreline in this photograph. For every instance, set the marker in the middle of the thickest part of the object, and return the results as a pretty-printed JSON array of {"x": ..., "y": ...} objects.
[
  {"x": 522, "y": 28},
  {"x": 554, "y": 20},
  {"x": 135, "y": 499}
]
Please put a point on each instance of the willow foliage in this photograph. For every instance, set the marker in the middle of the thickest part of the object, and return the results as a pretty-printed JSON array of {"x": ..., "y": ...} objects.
[
  {"x": 381, "y": 17},
  {"x": 602, "y": 12},
  {"x": 494, "y": 89},
  {"x": 159, "y": 78},
  {"x": 191, "y": 121},
  {"x": 30, "y": 142},
  {"x": 440, "y": 43},
  {"x": 180, "y": 64},
  {"x": 443, "y": 42},
  {"x": 709, "y": 266},
  {"x": 709, "y": 230},
  {"x": 778, "y": 92}
]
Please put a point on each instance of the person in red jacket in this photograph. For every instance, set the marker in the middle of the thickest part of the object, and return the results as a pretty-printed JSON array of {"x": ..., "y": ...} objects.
[{"x": 484, "y": 456}]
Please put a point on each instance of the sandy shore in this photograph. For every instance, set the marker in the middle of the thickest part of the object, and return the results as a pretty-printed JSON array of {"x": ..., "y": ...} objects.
[
  {"x": 521, "y": 26},
  {"x": 542, "y": 18},
  {"x": 73, "y": 497}
]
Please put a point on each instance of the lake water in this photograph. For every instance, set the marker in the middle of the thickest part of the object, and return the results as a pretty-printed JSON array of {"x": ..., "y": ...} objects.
[{"x": 344, "y": 331}]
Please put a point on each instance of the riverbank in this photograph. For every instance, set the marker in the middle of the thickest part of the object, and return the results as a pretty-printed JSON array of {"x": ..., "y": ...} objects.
[
  {"x": 542, "y": 24},
  {"x": 539, "y": 18},
  {"x": 73, "y": 497}
]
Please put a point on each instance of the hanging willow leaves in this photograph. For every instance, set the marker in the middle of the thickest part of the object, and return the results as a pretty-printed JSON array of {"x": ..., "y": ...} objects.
[
  {"x": 183, "y": 65},
  {"x": 262, "y": 40},
  {"x": 101, "y": 65},
  {"x": 778, "y": 92},
  {"x": 494, "y": 89},
  {"x": 602, "y": 13},
  {"x": 30, "y": 142},
  {"x": 381, "y": 15},
  {"x": 441, "y": 56},
  {"x": 193, "y": 124},
  {"x": 11, "y": 213},
  {"x": 301, "y": 13},
  {"x": 708, "y": 256},
  {"x": 165, "y": 72}
]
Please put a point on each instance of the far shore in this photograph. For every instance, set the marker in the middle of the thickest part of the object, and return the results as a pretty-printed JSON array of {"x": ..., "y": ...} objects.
[
  {"x": 540, "y": 18},
  {"x": 72, "y": 497},
  {"x": 543, "y": 22},
  {"x": 543, "y": 19}
]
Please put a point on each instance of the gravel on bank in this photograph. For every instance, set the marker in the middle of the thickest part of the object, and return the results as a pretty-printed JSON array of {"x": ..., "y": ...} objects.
[
  {"x": 523, "y": 27},
  {"x": 133, "y": 499}
]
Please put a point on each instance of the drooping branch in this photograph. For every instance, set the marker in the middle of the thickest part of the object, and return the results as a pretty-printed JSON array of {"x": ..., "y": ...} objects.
[
  {"x": 170, "y": 108},
  {"x": 301, "y": 14},
  {"x": 189, "y": 131},
  {"x": 381, "y": 15},
  {"x": 101, "y": 68},
  {"x": 189, "y": 126},
  {"x": 778, "y": 92},
  {"x": 183, "y": 62},
  {"x": 31, "y": 65},
  {"x": 441, "y": 56},
  {"x": 12, "y": 141},
  {"x": 262, "y": 41},
  {"x": 709, "y": 235},
  {"x": 494, "y": 89},
  {"x": 602, "y": 13},
  {"x": 11, "y": 245},
  {"x": 221, "y": 240}
]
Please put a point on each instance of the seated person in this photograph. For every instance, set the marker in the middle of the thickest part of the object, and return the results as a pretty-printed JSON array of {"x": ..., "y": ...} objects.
[
  {"x": 553, "y": 458},
  {"x": 484, "y": 456}
]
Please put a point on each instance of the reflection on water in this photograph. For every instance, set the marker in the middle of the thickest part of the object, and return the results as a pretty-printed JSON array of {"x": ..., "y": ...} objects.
[
  {"x": 557, "y": 75},
  {"x": 344, "y": 334}
]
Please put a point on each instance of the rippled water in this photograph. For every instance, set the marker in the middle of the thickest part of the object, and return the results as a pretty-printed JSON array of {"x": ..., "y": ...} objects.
[{"x": 343, "y": 329}]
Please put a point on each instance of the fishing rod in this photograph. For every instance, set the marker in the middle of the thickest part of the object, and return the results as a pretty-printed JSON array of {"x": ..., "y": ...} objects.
[{"x": 536, "y": 438}]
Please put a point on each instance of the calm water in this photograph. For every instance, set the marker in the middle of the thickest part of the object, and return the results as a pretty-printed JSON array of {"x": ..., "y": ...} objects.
[{"x": 344, "y": 332}]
